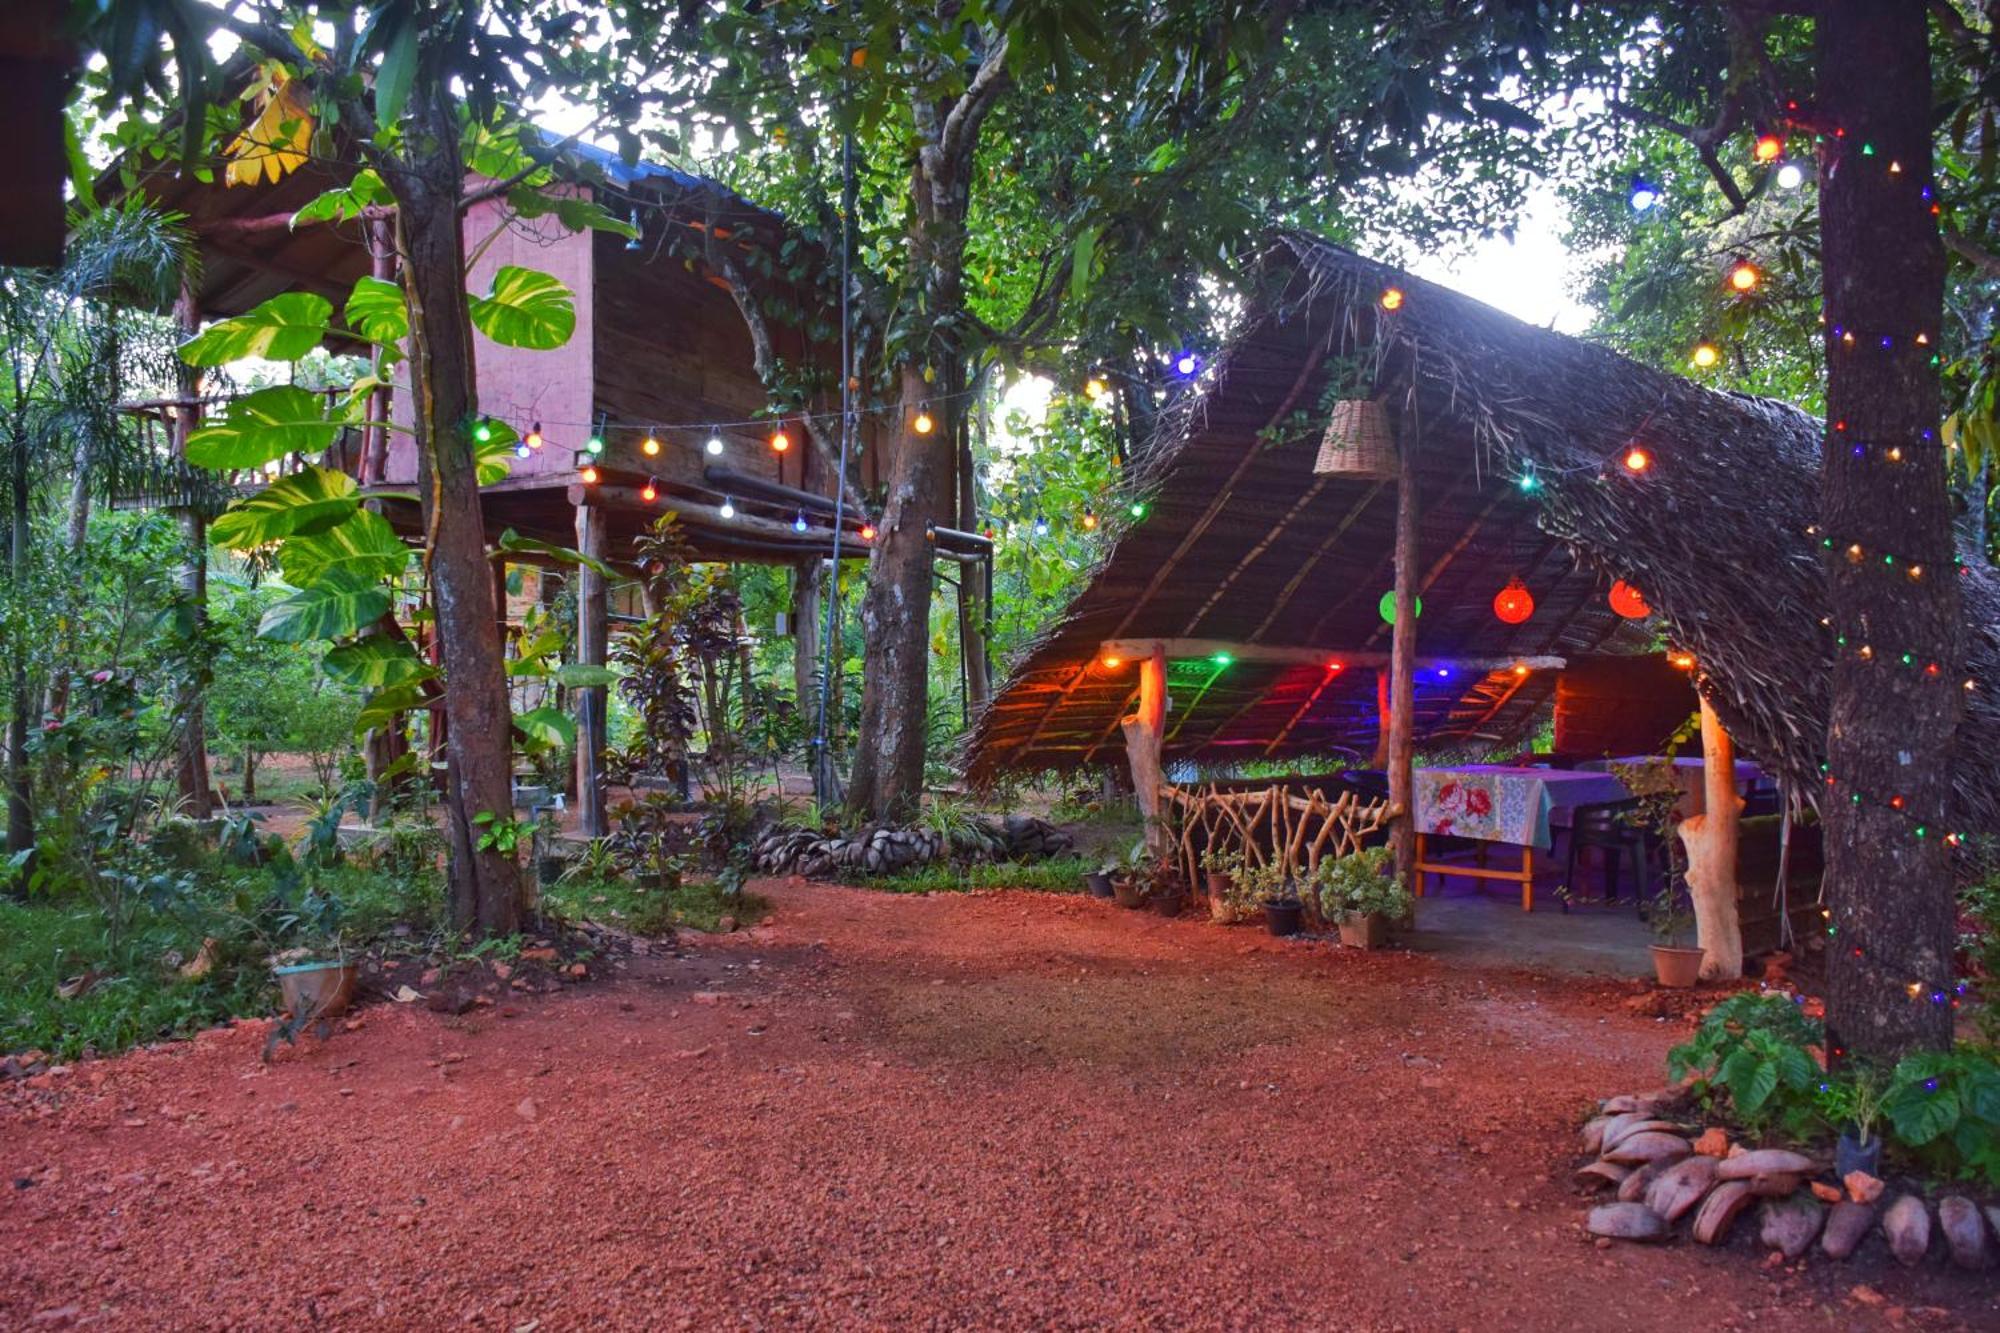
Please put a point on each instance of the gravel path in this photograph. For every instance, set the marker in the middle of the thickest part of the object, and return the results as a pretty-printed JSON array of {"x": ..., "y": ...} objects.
[{"x": 1008, "y": 1110}]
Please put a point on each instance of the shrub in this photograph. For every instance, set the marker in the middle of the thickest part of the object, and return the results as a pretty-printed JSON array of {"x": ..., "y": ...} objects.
[
  {"x": 1944, "y": 1106},
  {"x": 1754, "y": 1049}
]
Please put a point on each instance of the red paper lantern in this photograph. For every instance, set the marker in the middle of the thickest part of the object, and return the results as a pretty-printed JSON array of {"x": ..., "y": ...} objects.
[
  {"x": 1627, "y": 602},
  {"x": 1514, "y": 603}
]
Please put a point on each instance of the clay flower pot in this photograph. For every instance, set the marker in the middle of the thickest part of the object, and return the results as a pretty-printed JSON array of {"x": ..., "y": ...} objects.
[
  {"x": 1364, "y": 931},
  {"x": 1676, "y": 968},
  {"x": 322, "y": 990},
  {"x": 1127, "y": 893}
]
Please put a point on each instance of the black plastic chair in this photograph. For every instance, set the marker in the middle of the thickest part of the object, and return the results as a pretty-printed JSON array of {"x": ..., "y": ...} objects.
[{"x": 1606, "y": 827}]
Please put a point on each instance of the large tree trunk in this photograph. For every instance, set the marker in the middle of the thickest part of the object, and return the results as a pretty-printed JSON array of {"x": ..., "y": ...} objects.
[
  {"x": 888, "y": 778},
  {"x": 191, "y": 759},
  {"x": 20, "y": 803},
  {"x": 1144, "y": 731},
  {"x": 1403, "y": 655},
  {"x": 484, "y": 888},
  {"x": 974, "y": 585},
  {"x": 1891, "y": 729},
  {"x": 1710, "y": 838}
]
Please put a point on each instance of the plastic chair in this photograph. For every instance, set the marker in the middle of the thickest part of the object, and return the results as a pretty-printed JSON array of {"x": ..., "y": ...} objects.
[{"x": 1606, "y": 828}]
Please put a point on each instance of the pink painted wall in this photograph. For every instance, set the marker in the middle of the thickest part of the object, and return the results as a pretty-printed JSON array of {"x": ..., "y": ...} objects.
[{"x": 515, "y": 385}]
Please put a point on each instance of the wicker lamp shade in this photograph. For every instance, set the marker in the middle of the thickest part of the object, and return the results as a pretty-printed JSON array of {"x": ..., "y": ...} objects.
[{"x": 1359, "y": 441}]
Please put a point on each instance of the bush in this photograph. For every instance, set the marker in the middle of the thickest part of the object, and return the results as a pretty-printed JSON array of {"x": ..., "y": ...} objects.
[{"x": 1753, "y": 1049}]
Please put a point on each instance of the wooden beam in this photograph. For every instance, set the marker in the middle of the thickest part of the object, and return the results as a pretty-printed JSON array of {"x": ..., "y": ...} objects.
[
  {"x": 1250, "y": 557},
  {"x": 1297, "y": 580},
  {"x": 1132, "y": 650}
]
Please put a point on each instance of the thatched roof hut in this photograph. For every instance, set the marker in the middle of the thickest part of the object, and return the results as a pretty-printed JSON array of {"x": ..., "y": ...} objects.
[{"x": 1523, "y": 439}]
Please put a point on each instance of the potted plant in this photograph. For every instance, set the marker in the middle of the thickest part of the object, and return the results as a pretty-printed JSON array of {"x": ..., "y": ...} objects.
[
  {"x": 1361, "y": 895},
  {"x": 1097, "y": 883},
  {"x": 1853, "y": 1104},
  {"x": 1271, "y": 889},
  {"x": 1674, "y": 964},
  {"x": 1222, "y": 867}
]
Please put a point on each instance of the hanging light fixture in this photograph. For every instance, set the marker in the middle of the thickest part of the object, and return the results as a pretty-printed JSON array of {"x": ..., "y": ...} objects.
[
  {"x": 1643, "y": 195},
  {"x": 714, "y": 445},
  {"x": 1095, "y": 388},
  {"x": 867, "y": 532},
  {"x": 1514, "y": 603},
  {"x": 1743, "y": 276},
  {"x": 922, "y": 423},
  {"x": 534, "y": 438},
  {"x": 1705, "y": 355},
  {"x": 799, "y": 521},
  {"x": 780, "y": 441},
  {"x": 649, "y": 492},
  {"x": 1791, "y": 176},
  {"x": 1392, "y": 298},
  {"x": 588, "y": 475},
  {"x": 1089, "y": 520},
  {"x": 1637, "y": 460},
  {"x": 1187, "y": 365},
  {"x": 650, "y": 446},
  {"x": 728, "y": 507},
  {"x": 1386, "y": 608},
  {"x": 1627, "y": 601}
]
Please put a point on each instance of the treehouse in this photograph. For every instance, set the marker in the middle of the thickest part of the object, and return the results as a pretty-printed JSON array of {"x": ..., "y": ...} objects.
[{"x": 1587, "y": 549}]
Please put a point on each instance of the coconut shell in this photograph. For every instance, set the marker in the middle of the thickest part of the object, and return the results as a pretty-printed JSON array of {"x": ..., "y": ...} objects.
[
  {"x": 1626, "y": 1221},
  {"x": 1680, "y": 1187},
  {"x": 1719, "y": 1210},
  {"x": 1649, "y": 1146}
]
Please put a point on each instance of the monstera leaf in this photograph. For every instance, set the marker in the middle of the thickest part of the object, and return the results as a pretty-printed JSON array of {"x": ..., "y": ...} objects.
[
  {"x": 525, "y": 308},
  {"x": 308, "y": 501},
  {"x": 338, "y": 604},
  {"x": 284, "y": 328},
  {"x": 375, "y": 310},
  {"x": 258, "y": 427},
  {"x": 385, "y": 704},
  {"x": 364, "y": 546}
]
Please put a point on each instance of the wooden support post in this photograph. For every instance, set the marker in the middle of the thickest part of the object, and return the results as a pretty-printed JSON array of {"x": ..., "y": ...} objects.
[
  {"x": 806, "y": 614},
  {"x": 1403, "y": 657},
  {"x": 1710, "y": 838},
  {"x": 592, "y": 626},
  {"x": 374, "y": 466},
  {"x": 1382, "y": 714},
  {"x": 1143, "y": 732}
]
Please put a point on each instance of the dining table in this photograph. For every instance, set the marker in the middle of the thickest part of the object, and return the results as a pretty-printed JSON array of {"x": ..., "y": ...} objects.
[
  {"x": 1690, "y": 775},
  {"x": 1510, "y": 804}
]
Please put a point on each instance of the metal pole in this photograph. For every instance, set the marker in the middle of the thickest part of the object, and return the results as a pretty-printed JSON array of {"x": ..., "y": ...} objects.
[{"x": 825, "y": 781}]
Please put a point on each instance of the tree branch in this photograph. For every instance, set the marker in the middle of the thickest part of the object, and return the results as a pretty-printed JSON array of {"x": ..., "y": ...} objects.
[{"x": 1982, "y": 259}]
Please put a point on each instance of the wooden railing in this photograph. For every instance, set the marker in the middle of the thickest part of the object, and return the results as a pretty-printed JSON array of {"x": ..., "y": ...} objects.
[{"x": 1272, "y": 826}]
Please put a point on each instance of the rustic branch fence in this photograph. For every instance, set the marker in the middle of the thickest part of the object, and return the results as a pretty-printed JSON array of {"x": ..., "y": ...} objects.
[{"x": 1272, "y": 826}]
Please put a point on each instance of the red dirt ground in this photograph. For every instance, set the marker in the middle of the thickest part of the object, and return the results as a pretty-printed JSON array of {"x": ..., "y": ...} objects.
[{"x": 1008, "y": 1110}]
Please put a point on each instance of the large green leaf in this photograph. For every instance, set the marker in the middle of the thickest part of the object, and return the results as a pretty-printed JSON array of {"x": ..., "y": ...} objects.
[
  {"x": 1920, "y": 1114},
  {"x": 525, "y": 308},
  {"x": 338, "y": 604},
  {"x": 310, "y": 500},
  {"x": 513, "y": 543},
  {"x": 549, "y": 725},
  {"x": 364, "y": 546},
  {"x": 365, "y": 190},
  {"x": 385, "y": 704},
  {"x": 579, "y": 675},
  {"x": 283, "y": 328},
  {"x": 261, "y": 426},
  {"x": 376, "y": 311},
  {"x": 493, "y": 457},
  {"x": 376, "y": 662}
]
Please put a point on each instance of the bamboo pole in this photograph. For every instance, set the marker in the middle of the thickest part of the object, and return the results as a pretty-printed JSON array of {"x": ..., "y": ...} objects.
[{"x": 1403, "y": 651}]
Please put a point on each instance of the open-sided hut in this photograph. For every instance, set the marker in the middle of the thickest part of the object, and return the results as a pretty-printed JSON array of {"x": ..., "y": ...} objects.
[{"x": 1534, "y": 457}]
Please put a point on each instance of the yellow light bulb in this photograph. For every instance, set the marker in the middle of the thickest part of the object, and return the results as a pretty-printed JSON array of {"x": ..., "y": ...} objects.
[
  {"x": 922, "y": 423},
  {"x": 650, "y": 448},
  {"x": 1705, "y": 355}
]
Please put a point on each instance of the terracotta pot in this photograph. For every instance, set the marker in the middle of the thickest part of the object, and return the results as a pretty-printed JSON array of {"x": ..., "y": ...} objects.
[
  {"x": 323, "y": 989},
  {"x": 1368, "y": 931},
  {"x": 1097, "y": 884},
  {"x": 1678, "y": 968},
  {"x": 1223, "y": 910},
  {"x": 1283, "y": 918},
  {"x": 1127, "y": 893},
  {"x": 1220, "y": 883},
  {"x": 1168, "y": 904}
]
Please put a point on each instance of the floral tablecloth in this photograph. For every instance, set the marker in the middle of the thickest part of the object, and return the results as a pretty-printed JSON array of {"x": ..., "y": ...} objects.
[{"x": 1499, "y": 803}]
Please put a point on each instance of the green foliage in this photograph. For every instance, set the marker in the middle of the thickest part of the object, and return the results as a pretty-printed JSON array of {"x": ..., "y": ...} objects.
[
  {"x": 1753, "y": 1049},
  {"x": 1360, "y": 884},
  {"x": 1061, "y": 874},
  {"x": 303, "y": 503},
  {"x": 363, "y": 546},
  {"x": 338, "y": 603},
  {"x": 1944, "y": 1106},
  {"x": 262, "y": 426},
  {"x": 524, "y": 308},
  {"x": 698, "y": 904},
  {"x": 284, "y": 328},
  {"x": 502, "y": 834}
]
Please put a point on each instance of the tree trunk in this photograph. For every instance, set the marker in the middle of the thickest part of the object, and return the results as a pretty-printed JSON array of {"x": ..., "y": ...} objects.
[
  {"x": 1143, "y": 732},
  {"x": 592, "y": 628},
  {"x": 1897, "y": 695},
  {"x": 483, "y": 891},
  {"x": 20, "y": 799},
  {"x": 1710, "y": 838},
  {"x": 62, "y": 672},
  {"x": 975, "y": 590},
  {"x": 805, "y": 639},
  {"x": 191, "y": 763},
  {"x": 888, "y": 779},
  {"x": 1403, "y": 656},
  {"x": 249, "y": 794}
]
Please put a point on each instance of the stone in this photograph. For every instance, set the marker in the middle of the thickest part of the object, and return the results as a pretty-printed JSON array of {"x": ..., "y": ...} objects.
[
  {"x": 1792, "y": 1225},
  {"x": 1862, "y": 1187},
  {"x": 1633, "y": 1188},
  {"x": 1626, "y": 1221},
  {"x": 1773, "y": 1173},
  {"x": 1964, "y": 1232},
  {"x": 1612, "y": 1138},
  {"x": 1825, "y": 1193},
  {"x": 1680, "y": 1187},
  {"x": 527, "y": 1109},
  {"x": 1598, "y": 1175},
  {"x": 1775, "y": 1184},
  {"x": 1593, "y": 1134},
  {"x": 1650, "y": 1146},
  {"x": 1907, "y": 1224},
  {"x": 1846, "y": 1227},
  {"x": 1719, "y": 1210},
  {"x": 1714, "y": 1142}
]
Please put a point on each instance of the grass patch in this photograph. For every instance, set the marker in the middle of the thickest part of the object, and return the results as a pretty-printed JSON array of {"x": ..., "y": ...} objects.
[
  {"x": 1059, "y": 874},
  {"x": 696, "y": 905}
]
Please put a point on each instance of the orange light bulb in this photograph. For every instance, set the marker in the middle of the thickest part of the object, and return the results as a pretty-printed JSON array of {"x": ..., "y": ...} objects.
[
  {"x": 650, "y": 447},
  {"x": 1637, "y": 459},
  {"x": 1743, "y": 276},
  {"x": 1392, "y": 298},
  {"x": 867, "y": 532},
  {"x": 780, "y": 442},
  {"x": 650, "y": 492},
  {"x": 589, "y": 475},
  {"x": 1769, "y": 148}
]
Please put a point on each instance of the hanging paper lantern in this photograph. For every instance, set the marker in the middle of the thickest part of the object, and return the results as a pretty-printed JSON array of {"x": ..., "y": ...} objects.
[
  {"x": 1514, "y": 603},
  {"x": 1387, "y": 606},
  {"x": 1627, "y": 602}
]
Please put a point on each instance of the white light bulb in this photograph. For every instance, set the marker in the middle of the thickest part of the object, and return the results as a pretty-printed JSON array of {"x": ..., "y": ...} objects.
[
  {"x": 728, "y": 508},
  {"x": 1791, "y": 176},
  {"x": 714, "y": 446}
]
